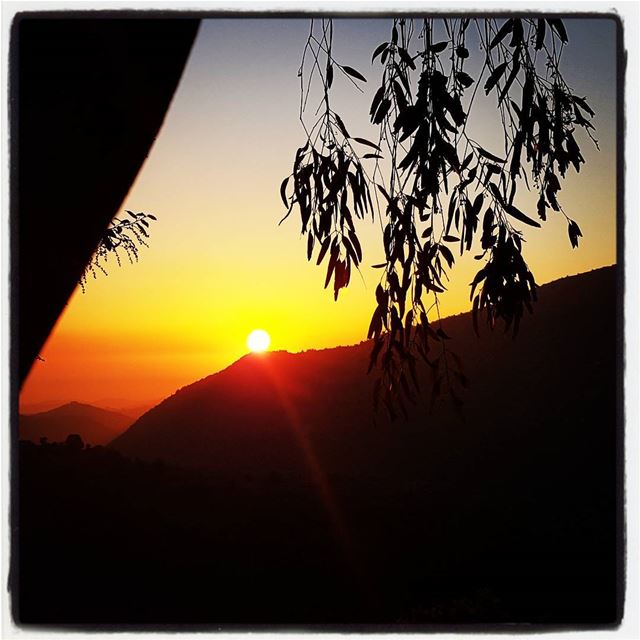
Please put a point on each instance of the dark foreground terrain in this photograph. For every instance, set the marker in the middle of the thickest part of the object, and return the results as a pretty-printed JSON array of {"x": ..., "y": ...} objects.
[{"x": 279, "y": 501}]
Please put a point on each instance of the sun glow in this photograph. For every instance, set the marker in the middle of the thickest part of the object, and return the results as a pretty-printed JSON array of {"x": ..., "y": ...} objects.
[{"x": 258, "y": 341}]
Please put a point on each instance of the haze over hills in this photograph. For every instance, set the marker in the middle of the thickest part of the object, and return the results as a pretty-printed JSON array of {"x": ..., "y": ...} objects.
[
  {"x": 126, "y": 407},
  {"x": 94, "y": 425},
  {"x": 130, "y": 408}
]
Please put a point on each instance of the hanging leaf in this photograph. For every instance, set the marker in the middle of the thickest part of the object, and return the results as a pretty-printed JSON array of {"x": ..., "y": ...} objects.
[
  {"x": 490, "y": 156},
  {"x": 504, "y": 30},
  {"x": 542, "y": 208},
  {"x": 323, "y": 249},
  {"x": 581, "y": 102},
  {"x": 356, "y": 244},
  {"x": 517, "y": 33},
  {"x": 558, "y": 27},
  {"x": 574, "y": 233},
  {"x": 309, "y": 245},
  {"x": 438, "y": 47},
  {"x": 446, "y": 252},
  {"x": 379, "y": 49},
  {"x": 406, "y": 58},
  {"x": 496, "y": 193},
  {"x": 495, "y": 77},
  {"x": 353, "y": 73},
  {"x": 384, "y": 192},
  {"x": 466, "y": 162},
  {"x": 540, "y": 33},
  {"x": 516, "y": 213},
  {"x": 333, "y": 261},
  {"x": 464, "y": 79},
  {"x": 385, "y": 105},
  {"x": 341, "y": 126},
  {"x": 367, "y": 143},
  {"x": 512, "y": 76},
  {"x": 283, "y": 191},
  {"x": 377, "y": 98}
]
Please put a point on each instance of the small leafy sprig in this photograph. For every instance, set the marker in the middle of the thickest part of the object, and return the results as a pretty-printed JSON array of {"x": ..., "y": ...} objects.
[
  {"x": 328, "y": 184},
  {"x": 124, "y": 236}
]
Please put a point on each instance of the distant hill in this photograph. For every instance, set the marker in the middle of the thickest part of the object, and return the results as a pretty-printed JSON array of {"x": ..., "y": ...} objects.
[
  {"x": 123, "y": 406},
  {"x": 266, "y": 412},
  {"x": 116, "y": 405},
  {"x": 94, "y": 425},
  {"x": 30, "y": 408}
]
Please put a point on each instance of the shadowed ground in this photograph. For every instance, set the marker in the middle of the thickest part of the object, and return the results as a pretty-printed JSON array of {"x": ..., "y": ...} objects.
[{"x": 297, "y": 509}]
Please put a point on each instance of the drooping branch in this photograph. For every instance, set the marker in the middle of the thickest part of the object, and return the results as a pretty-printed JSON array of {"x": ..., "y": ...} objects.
[
  {"x": 328, "y": 183},
  {"x": 123, "y": 236},
  {"x": 440, "y": 189}
]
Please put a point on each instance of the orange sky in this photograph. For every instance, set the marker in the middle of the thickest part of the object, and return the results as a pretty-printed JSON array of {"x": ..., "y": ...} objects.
[{"x": 218, "y": 266}]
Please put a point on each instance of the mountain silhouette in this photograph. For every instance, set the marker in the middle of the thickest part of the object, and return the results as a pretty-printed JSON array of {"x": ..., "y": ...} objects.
[
  {"x": 288, "y": 501},
  {"x": 269, "y": 412},
  {"x": 94, "y": 425}
]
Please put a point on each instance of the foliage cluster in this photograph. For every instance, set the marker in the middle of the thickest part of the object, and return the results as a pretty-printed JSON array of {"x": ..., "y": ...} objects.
[
  {"x": 442, "y": 192},
  {"x": 125, "y": 235}
]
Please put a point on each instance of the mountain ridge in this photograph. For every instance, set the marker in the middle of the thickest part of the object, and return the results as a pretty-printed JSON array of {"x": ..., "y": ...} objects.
[
  {"x": 348, "y": 346},
  {"x": 94, "y": 425},
  {"x": 276, "y": 398},
  {"x": 301, "y": 506}
]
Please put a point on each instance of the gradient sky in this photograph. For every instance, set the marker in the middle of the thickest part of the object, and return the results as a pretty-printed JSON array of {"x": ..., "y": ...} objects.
[{"x": 218, "y": 266}]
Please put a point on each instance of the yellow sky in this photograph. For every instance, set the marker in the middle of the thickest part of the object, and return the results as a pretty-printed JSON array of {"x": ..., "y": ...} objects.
[{"x": 218, "y": 266}]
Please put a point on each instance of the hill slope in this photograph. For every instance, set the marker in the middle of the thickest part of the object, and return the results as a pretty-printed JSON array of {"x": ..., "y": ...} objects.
[
  {"x": 268, "y": 412},
  {"x": 94, "y": 425},
  {"x": 508, "y": 516}
]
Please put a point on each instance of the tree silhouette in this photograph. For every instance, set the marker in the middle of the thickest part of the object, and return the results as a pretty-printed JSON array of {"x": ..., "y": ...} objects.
[
  {"x": 440, "y": 190},
  {"x": 74, "y": 442}
]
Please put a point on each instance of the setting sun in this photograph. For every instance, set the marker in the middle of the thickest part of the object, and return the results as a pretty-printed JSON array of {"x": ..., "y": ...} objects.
[{"x": 258, "y": 341}]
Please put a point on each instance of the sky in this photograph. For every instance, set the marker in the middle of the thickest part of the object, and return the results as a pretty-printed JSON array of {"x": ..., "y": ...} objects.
[{"x": 218, "y": 265}]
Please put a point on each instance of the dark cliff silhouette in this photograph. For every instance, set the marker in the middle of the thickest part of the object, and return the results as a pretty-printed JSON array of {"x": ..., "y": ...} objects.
[
  {"x": 93, "y": 424},
  {"x": 89, "y": 95},
  {"x": 298, "y": 509}
]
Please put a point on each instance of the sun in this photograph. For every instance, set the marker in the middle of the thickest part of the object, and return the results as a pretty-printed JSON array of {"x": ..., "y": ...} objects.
[{"x": 258, "y": 341}]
